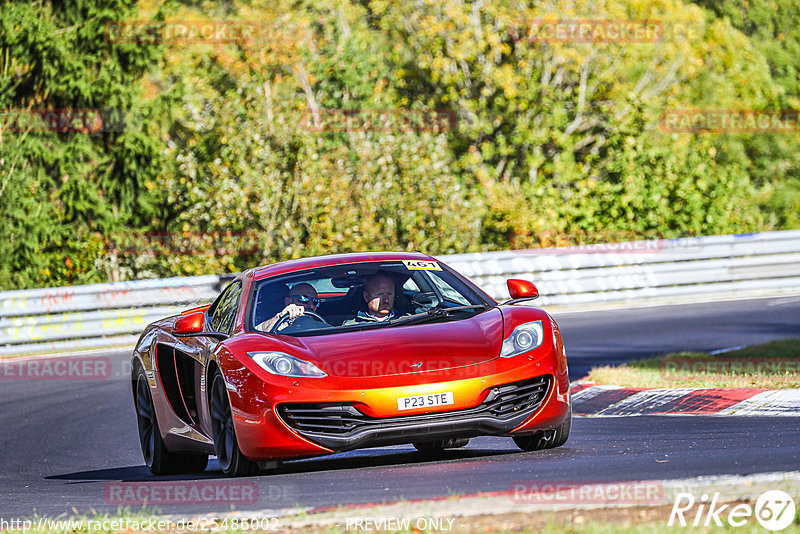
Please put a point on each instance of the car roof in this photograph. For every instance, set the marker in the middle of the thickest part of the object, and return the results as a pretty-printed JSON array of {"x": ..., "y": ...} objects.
[{"x": 302, "y": 264}]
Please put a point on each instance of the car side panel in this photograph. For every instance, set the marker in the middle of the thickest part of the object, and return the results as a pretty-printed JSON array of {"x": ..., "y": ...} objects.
[{"x": 178, "y": 435}]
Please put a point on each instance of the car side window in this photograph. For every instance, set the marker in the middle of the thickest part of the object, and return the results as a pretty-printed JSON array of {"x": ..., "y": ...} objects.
[{"x": 225, "y": 311}]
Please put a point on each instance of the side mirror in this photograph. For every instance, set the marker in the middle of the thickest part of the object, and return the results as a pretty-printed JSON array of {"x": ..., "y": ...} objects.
[
  {"x": 202, "y": 308},
  {"x": 521, "y": 289},
  {"x": 189, "y": 324}
]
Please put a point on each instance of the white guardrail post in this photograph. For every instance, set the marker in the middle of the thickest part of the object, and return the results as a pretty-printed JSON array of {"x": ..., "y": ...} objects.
[{"x": 103, "y": 315}]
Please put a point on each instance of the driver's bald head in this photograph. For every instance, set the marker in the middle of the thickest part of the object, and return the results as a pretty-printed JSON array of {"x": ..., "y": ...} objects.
[
  {"x": 303, "y": 289},
  {"x": 379, "y": 295},
  {"x": 378, "y": 280}
]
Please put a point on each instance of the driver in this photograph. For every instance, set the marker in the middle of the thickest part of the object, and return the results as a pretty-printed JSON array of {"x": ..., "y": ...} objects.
[
  {"x": 379, "y": 295},
  {"x": 302, "y": 297}
]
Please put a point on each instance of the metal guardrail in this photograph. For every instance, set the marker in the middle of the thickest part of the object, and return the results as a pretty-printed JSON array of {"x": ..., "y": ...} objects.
[
  {"x": 93, "y": 316},
  {"x": 104, "y": 296},
  {"x": 699, "y": 267},
  {"x": 102, "y": 315}
]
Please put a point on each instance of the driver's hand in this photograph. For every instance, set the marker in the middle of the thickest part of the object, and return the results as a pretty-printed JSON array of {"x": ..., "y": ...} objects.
[{"x": 294, "y": 311}]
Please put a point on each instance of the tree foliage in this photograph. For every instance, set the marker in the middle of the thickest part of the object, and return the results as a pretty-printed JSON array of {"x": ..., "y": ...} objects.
[
  {"x": 319, "y": 135},
  {"x": 772, "y": 160},
  {"x": 60, "y": 190}
]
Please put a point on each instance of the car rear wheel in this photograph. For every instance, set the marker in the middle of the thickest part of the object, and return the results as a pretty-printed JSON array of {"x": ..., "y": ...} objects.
[
  {"x": 438, "y": 445},
  {"x": 230, "y": 457},
  {"x": 156, "y": 456},
  {"x": 548, "y": 439}
]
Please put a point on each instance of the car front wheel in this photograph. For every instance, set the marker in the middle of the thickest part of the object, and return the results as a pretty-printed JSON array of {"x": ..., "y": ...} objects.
[
  {"x": 549, "y": 439},
  {"x": 230, "y": 457}
]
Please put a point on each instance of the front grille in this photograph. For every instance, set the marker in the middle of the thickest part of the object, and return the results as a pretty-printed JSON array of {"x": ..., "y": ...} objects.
[
  {"x": 323, "y": 417},
  {"x": 504, "y": 401},
  {"x": 340, "y": 419}
]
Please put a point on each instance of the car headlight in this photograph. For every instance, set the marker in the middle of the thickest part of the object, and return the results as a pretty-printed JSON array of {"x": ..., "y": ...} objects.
[
  {"x": 282, "y": 364},
  {"x": 525, "y": 337}
]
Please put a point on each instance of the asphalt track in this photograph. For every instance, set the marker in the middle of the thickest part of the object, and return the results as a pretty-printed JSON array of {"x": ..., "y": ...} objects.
[{"x": 63, "y": 443}]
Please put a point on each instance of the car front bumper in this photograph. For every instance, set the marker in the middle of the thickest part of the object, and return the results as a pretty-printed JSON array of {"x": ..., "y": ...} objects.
[{"x": 285, "y": 418}]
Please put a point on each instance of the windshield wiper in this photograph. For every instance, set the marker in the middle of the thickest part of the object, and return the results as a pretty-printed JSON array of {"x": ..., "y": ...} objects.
[{"x": 435, "y": 313}]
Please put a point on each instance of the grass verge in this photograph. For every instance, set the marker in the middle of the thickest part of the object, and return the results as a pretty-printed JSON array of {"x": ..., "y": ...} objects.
[{"x": 774, "y": 365}]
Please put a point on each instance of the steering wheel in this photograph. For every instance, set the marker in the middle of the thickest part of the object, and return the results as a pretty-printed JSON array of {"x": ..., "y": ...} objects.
[{"x": 285, "y": 318}]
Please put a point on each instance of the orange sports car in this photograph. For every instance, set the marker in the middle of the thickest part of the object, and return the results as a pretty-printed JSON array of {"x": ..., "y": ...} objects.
[{"x": 321, "y": 355}]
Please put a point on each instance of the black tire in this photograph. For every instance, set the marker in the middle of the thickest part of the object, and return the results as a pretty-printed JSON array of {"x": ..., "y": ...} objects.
[
  {"x": 230, "y": 457},
  {"x": 549, "y": 439},
  {"x": 432, "y": 447},
  {"x": 531, "y": 442},
  {"x": 156, "y": 456},
  {"x": 562, "y": 431}
]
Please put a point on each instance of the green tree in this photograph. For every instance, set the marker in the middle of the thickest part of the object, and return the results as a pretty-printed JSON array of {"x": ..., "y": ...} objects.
[
  {"x": 563, "y": 137},
  {"x": 261, "y": 150},
  {"x": 772, "y": 160},
  {"x": 61, "y": 189}
]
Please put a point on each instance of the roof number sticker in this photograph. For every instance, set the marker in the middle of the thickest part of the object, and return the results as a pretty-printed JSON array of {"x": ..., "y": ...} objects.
[{"x": 421, "y": 265}]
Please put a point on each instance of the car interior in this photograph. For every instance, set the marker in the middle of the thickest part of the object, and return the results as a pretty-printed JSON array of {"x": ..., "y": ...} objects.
[{"x": 342, "y": 293}]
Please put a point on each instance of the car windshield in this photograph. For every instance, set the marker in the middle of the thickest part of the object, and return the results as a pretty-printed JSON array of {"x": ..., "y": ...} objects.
[{"x": 360, "y": 296}]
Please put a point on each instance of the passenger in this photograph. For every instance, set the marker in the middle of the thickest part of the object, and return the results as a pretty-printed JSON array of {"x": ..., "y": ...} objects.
[
  {"x": 302, "y": 297},
  {"x": 379, "y": 294}
]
